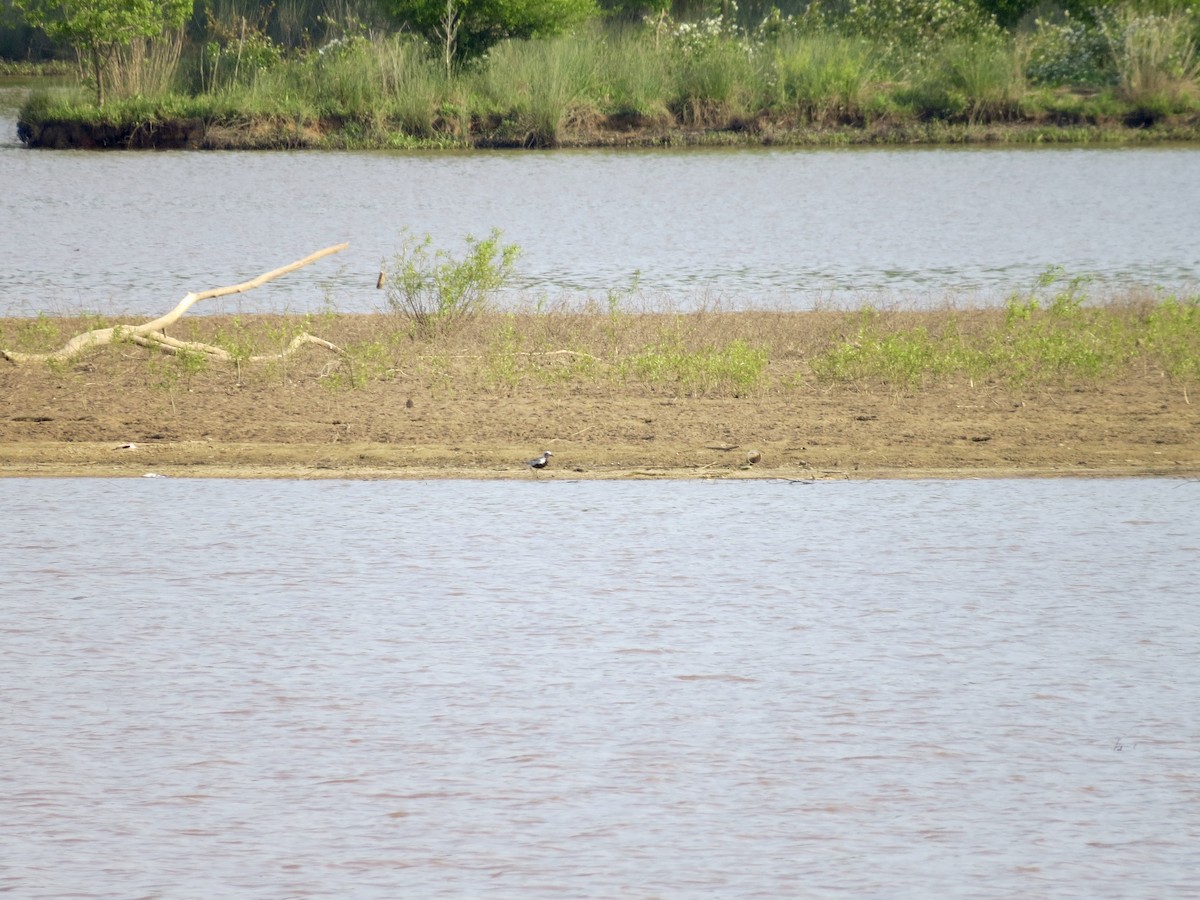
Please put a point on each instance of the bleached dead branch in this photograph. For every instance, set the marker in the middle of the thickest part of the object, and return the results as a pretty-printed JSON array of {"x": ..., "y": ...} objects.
[{"x": 151, "y": 334}]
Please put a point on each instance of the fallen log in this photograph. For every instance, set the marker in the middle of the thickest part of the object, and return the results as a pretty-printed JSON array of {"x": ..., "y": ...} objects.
[{"x": 151, "y": 334}]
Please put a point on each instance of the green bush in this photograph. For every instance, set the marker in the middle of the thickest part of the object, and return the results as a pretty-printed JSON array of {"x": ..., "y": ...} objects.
[
  {"x": 435, "y": 290},
  {"x": 1067, "y": 51},
  {"x": 911, "y": 29}
]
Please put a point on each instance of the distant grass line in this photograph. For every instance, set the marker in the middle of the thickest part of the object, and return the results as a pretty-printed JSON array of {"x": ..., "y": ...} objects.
[
  {"x": 610, "y": 86},
  {"x": 16, "y": 68},
  {"x": 1047, "y": 338}
]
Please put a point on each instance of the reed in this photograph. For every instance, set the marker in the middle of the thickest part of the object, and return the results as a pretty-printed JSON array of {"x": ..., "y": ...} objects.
[
  {"x": 145, "y": 67},
  {"x": 345, "y": 82},
  {"x": 415, "y": 89}
]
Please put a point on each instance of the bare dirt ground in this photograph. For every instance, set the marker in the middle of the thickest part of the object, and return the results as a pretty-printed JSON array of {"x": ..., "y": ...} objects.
[{"x": 75, "y": 419}]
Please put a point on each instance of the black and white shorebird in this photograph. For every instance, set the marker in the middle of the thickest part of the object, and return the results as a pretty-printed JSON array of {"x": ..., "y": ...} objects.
[{"x": 536, "y": 465}]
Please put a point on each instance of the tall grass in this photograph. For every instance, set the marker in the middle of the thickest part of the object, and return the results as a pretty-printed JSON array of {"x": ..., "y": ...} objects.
[
  {"x": 533, "y": 87},
  {"x": 981, "y": 79},
  {"x": 1155, "y": 58},
  {"x": 825, "y": 78},
  {"x": 634, "y": 75},
  {"x": 414, "y": 87},
  {"x": 386, "y": 89},
  {"x": 715, "y": 85}
]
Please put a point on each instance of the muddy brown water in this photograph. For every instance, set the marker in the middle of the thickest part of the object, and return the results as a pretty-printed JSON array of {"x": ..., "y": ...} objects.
[{"x": 543, "y": 689}]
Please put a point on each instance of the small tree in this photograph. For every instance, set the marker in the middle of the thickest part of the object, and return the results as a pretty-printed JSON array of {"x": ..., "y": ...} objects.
[
  {"x": 96, "y": 28},
  {"x": 462, "y": 29}
]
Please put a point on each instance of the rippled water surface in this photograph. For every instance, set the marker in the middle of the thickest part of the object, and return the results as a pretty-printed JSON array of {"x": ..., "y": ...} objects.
[
  {"x": 133, "y": 232},
  {"x": 548, "y": 689}
]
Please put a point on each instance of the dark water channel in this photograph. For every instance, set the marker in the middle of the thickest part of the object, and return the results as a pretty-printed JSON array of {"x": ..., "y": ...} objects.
[
  {"x": 553, "y": 689},
  {"x": 133, "y": 232}
]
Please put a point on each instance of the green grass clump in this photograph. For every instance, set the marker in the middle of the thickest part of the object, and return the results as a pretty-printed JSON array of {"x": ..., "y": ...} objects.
[
  {"x": 907, "y": 356},
  {"x": 37, "y": 335},
  {"x": 980, "y": 80},
  {"x": 532, "y": 88},
  {"x": 360, "y": 364},
  {"x": 1035, "y": 339},
  {"x": 826, "y": 79},
  {"x": 1057, "y": 339},
  {"x": 634, "y": 77},
  {"x": 716, "y": 80},
  {"x": 1156, "y": 59},
  {"x": 735, "y": 368},
  {"x": 1170, "y": 335}
]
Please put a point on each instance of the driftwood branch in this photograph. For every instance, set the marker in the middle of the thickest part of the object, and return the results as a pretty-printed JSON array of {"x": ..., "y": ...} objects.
[{"x": 150, "y": 334}]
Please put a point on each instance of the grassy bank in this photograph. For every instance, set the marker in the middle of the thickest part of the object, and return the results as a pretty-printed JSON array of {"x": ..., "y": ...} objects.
[
  {"x": 615, "y": 391},
  {"x": 1047, "y": 339},
  {"x": 1127, "y": 76}
]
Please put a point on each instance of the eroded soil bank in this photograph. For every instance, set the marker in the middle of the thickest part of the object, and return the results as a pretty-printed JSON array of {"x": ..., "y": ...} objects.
[
  {"x": 294, "y": 420},
  {"x": 608, "y": 132}
]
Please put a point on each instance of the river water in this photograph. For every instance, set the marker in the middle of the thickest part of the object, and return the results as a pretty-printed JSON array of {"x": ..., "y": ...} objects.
[
  {"x": 791, "y": 228},
  {"x": 563, "y": 689}
]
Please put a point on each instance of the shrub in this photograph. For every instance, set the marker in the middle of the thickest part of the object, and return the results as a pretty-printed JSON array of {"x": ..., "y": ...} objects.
[
  {"x": 437, "y": 291},
  {"x": 1067, "y": 51},
  {"x": 911, "y": 29}
]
